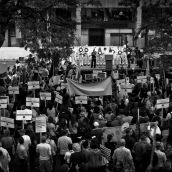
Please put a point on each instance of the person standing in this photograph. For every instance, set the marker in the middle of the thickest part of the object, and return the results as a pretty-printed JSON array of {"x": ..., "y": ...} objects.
[
  {"x": 93, "y": 59},
  {"x": 123, "y": 155},
  {"x": 63, "y": 144},
  {"x": 21, "y": 156},
  {"x": 44, "y": 151}
]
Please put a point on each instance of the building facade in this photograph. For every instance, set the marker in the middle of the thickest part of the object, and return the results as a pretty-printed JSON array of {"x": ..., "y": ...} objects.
[{"x": 108, "y": 24}]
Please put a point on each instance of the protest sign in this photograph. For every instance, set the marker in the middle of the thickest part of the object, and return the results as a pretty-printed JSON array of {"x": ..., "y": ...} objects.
[
  {"x": 128, "y": 88},
  {"x": 115, "y": 75},
  {"x": 22, "y": 115},
  {"x": 45, "y": 96},
  {"x": 142, "y": 79},
  {"x": 101, "y": 75},
  {"x": 3, "y": 102},
  {"x": 32, "y": 85},
  {"x": 7, "y": 122},
  {"x": 162, "y": 103},
  {"x": 13, "y": 90},
  {"x": 157, "y": 76},
  {"x": 64, "y": 85},
  {"x": 81, "y": 99},
  {"x": 40, "y": 124},
  {"x": 32, "y": 102},
  {"x": 121, "y": 82},
  {"x": 58, "y": 98}
]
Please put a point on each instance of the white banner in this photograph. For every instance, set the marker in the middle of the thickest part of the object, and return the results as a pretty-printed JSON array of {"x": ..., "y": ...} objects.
[
  {"x": 32, "y": 85},
  {"x": 45, "y": 96},
  {"x": 41, "y": 124},
  {"x": 162, "y": 103},
  {"x": 22, "y": 115},
  {"x": 81, "y": 99},
  {"x": 7, "y": 122},
  {"x": 32, "y": 102},
  {"x": 59, "y": 98},
  {"x": 13, "y": 90},
  {"x": 142, "y": 79},
  {"x": 3, "y": 102}
]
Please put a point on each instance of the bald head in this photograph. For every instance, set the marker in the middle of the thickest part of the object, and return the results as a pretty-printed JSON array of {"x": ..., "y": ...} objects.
[{"x": 122, "y": 142}]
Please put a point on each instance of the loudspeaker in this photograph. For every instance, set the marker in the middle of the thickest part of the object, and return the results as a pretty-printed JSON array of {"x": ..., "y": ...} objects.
[{"x": 109, "y": 61}]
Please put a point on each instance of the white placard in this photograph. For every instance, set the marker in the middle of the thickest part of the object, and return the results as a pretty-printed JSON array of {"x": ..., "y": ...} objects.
[
  {"x": 7, "y": 122},
  {"x": 162, "y": 103},
  {"x": 59, "y": 98},
  {"x": 102, "y": 75},
  {"x": 142, "y": 79},
  {"x": 121, "y": 82},
  {"x": 81, "y": 99},
  {"x": 45, "y": 96},
  {"x": 115, "y": 75},
  {"x": 22, "y": 115},
  {"x": 13, "y": 90},
  {"x": 133, "y": 66},
  {"x": 32, "y": 85},
  {"x": 32, "y": 102},
  {"x": 127, "y": 88},
  {"x": 151, "y": 80},
  {"x": 157, "y": 76},
  {"x": 3, "y": 102},
  {"x": 41, "y": 124},
  {"x": 64, "y": 85}
]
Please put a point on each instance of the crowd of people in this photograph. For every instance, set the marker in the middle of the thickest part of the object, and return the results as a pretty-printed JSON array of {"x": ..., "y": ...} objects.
[{"x": 74, "y": 139}]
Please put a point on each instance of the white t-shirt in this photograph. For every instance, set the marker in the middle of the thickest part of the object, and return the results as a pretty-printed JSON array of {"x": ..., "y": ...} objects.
[
  {"x": 27, "y": 141},
  {"x": 44, "y": 150}
]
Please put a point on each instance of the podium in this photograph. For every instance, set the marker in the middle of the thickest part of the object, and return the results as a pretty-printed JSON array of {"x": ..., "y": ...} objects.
[{"x": 109, "y": 61}]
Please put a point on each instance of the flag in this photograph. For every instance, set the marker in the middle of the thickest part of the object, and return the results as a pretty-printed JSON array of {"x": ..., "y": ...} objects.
[{"x": 102, "y": 88}]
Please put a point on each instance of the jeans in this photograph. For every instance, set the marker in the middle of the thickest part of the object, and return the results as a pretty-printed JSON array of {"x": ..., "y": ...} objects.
[
  {"x": 45, "y": 166},
  {"x": 93, "y": 63}
]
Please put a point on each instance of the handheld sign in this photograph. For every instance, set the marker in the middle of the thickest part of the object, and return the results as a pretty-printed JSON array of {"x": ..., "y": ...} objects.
[
  {"x": 121, "y": 82},
  {"x": 101, "y": 75},
  {"x": 41, "y": 124},
  {"x": 64, "y": 85},
  {"x": 45, "y": 96},
  {"x": 13, "y": 90},
  {"x": 3, "y": 102},
  {"x": 115, "y": 75},
  {"x": 32, "y": 102},
  {"x": 59, "y": 98},
  {"x": 157, "y": 76},
  {"x": 151, "y": 80},
  {"x": 7, "y": 122},
  {"x": 133, "y": 66},
  {"x": 142, "y": 79},
  {"x": 81, "y": 99},
  {"x": 162, "y": 103},
  {"x": 128, "y": 88},
  {"x": 22, "y": 115},
  {"x": 32, "y": 85}
]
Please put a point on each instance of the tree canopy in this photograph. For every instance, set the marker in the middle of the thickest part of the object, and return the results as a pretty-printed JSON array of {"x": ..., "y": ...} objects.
[{"x": 45, "y": 24}]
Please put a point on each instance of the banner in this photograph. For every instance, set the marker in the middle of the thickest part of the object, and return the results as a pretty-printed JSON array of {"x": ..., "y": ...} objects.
[
  {"x": 13, "y": 90},
  {"x": 81, "y": 99},
  {"x": 32, "y": 102},
  {"x": 45, "y": 95},
  {"x": 92, "y": 89},
  {"x": 40, "y": 124},
  {"x": 7, "y": 122},
  {"x": 22, "y": 115},
  {"x": 33, "y": 85}
]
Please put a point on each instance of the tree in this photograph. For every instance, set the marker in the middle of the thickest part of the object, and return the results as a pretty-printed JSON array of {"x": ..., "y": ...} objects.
[
  {"x": 155, "y": 16},
  {"x": 46, "y": 25}
]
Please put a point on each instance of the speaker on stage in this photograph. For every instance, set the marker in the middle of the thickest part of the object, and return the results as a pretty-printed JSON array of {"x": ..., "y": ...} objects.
[{"x": 109, "y": 61}]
